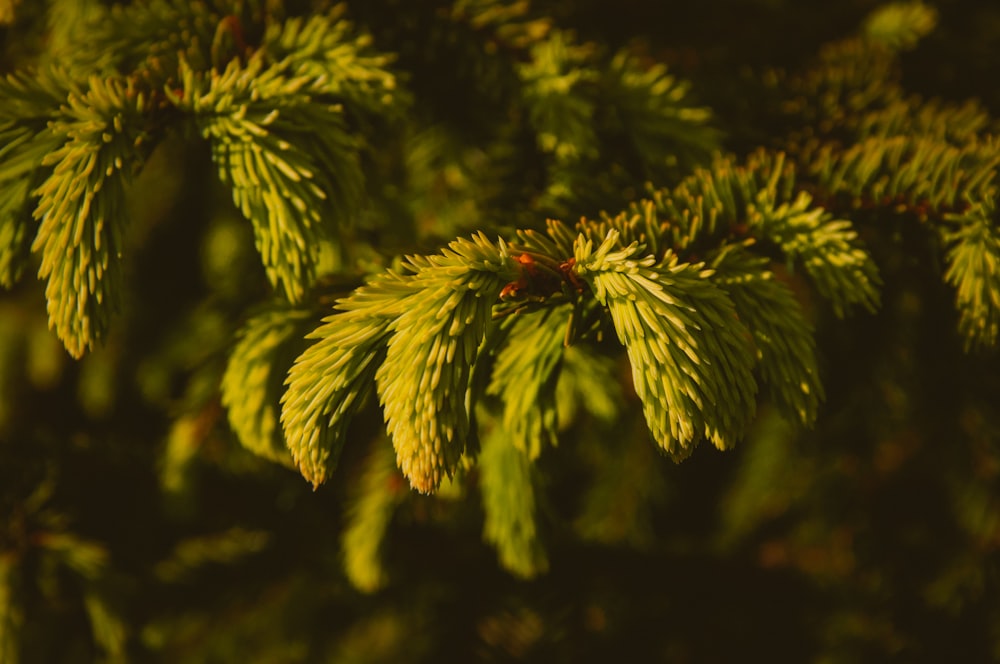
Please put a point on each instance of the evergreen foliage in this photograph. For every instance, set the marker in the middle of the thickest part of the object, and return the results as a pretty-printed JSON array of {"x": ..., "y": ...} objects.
[{"x": 506, "y": 252}]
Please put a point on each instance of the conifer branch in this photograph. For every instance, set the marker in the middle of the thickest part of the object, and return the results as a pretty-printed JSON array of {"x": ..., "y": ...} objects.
[
  {"x": 691, "y": 356},
  {"x": 31, "y": 101},
  {"x": 900, "y": 25},
  {"x": 252, "y": 384},
  {"x": 15, "y": 230},
  {"x": 654, "y": 110},
  {"x": 153, "y": 36},
  {"x": 589, "y": 383},
  {"x": 974, "y": 270},
  {"x": 953, "y": 188},
  {"x": 877, "y": 149},
  {"x": 525, "y": 375},
  {"x": 423, "y": 384},
  {"x": 106, "y": 624},
  {"x": 760, "y": 199},
  {"x": 332, "y": 378},
  {"x": 339, "y": 64},
  {"x": 555, "y": 88},
  {"x": 510, "y": 23},
  {"x": 705, "y": 331},
  {"x": 958, "y": 124},
  {"x": 290, "y": 161},
  {"x": 918, "y": 174},
  {"x": 424, "y": 326},
  {"x": 81, "y": 207},
  {"x": 510, "y": 510},
  {"x": 826, "y": 248},
  {"x": 378, "y": 493},
  {"x": 785, "y": 347},
  {"x": 196, "y": 553},
  {"x": 617, "y": 506},
  {"x": 491, "y": 349}
]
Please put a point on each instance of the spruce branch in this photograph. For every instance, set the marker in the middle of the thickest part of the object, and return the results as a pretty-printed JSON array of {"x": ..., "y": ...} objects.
[
  {"x": 654, "y": 110},
  {"x": 931, "y": 160},
  {"x": 423, "y": 384},
  {"x": 826, "y": 247},
  {"x": 783, "y": 338},
  {"x": 900, "y": 25},
  {"x": 617, "y": 506},
  {"x": 290, "y": 161},
  {"x": 759, "y": 198},
  {"x": 107, "y": 625},
  {"x": 691, "y": 356},
  {"x": 848, "y": 79},
  {"x": 509, "y": 23},
  {"x": 958, "y": 124},
  {"x": 974, "y": 271},
  {"x": 417, "y": 331},
  {"x": 375, "y": 498},
  {"x": 558, "y": 86},
  {"x": 153, "y": 36},
  {"x": 952, "y": 188},
  {"x": 918, "y": 174},
  {"x": 693, "y": 335},
  {"x": 15, "y": 234},
  {"x": 331, "y": 379},
  {"x": 589, "y": 383},
  {"x": 81, "y": 207},
  {"x": 30, "y": 100},
  {"x": 193, "y": 554},
  {"x": 253, "y": 382},
  {"x": 340, "y": 64},
  {"x": 507, "y": 485},
  {"x": 525, "y": 375}
]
